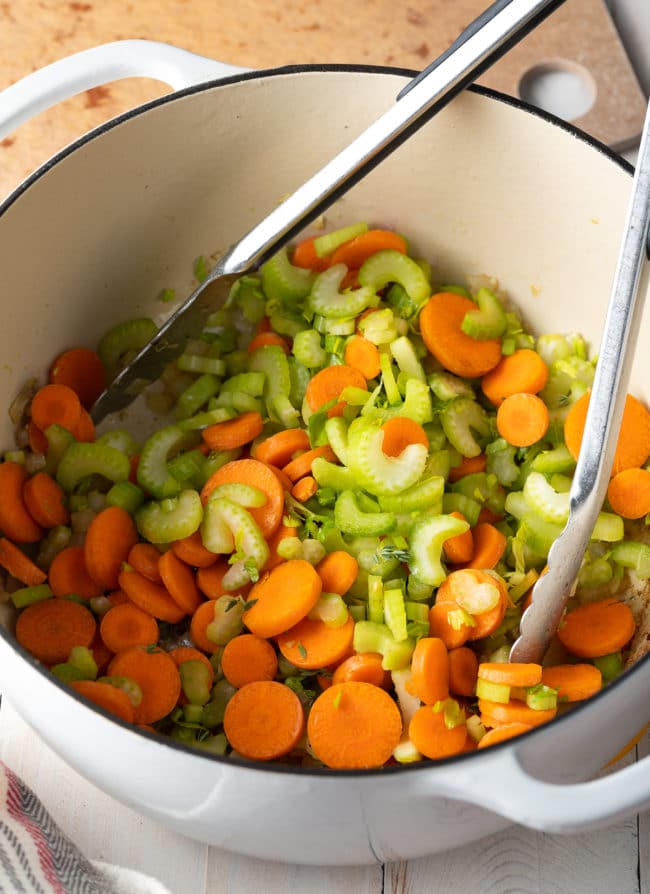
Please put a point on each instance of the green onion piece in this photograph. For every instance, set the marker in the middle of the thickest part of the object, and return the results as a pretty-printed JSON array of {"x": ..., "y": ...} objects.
[
  {"x": 125, "y": 338},
  {"x": 493, "y": 692},
  {"x": 84, "y": 459},
  {"x": 327, "y": 243},
  {"x": 170, "y": 519},
  {"x": 126, "y": 495},
  {"x": 541, "y": 697}
]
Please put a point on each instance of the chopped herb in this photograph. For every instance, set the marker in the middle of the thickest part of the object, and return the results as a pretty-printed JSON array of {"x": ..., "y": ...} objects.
[
  {"x": 306, "y": 695},
  {"x": 232, "y": 604},
  {"x": 249, "y": 604},
  {"x": 251, "y": 569},
  {"x": 302, "y": 651},
  {"x": 201, "y": 269},
  {"x": 391, "y": 551},
  {"x": 168, "y": 295}
]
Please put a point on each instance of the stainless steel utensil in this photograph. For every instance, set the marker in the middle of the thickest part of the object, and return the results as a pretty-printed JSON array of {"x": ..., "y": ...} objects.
[
  {"x": 484, "y": 41},
  {"x": 553, "y": 589}
]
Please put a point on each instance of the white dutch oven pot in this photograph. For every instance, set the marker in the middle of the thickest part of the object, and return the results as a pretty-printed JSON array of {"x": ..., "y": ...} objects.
[{"x": 488, "y": 186}]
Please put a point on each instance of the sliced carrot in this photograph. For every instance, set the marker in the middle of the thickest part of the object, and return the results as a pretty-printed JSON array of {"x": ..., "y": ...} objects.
[
  {"x": 264, "y": 720},
  {"x": 55, "y": 405},
  {"x": 255, "y": 473},
  {"x": 522, "y": 419},
  {"x": 157, "y": 676},
  {"x": 263, "y": 339},
  {"x": 430, "y": 670},
  {"x": 248, "y": 658},
  {"x": 489, "y": 546},
  {"x": 210, "y": 580},
  {"x": 233, "y": 432},
  {"x": 282, "y": 598},
  {"x": 633, "y": 445},
  {"x": 399, "y": 432},
  {"x": 274, "y": 541},
  {"x": 460, "y": 584},
  {"x": 432, "y": 737},
  {"x": 574, "y": 682},
  {"x": 109, "y": 539},
  {"x": 363, "y": 355},
  {"x": 597, "y": 628},
  {"x": 501, "y": 733},
  {"x": 523, "y": 371},
  {"x": 463, "y": 671},
  {"x": 144, "y": 558},
  {"x": 354, "y": 725},
  {"x": 202, "y": 617},
  {"x": 101, "y": 653},
  {"x": 510, "y": 673},
  {"x": 191, "y": 550},
  {"x": 84, "y": 430},
  {"x": 312, "y": 644},
  {"x": 150, "y": 597},
  {"x": 279, "y": 449},
  {"x": 359, "y": 249},
  {"x": 105, "y": 696},
  {"x": 15, "y": 521},
  {"x": 304, "y": 255},
  {"x": 45, "y": 501},
  {"x": 440, "y": 325},
  {"x": 285, "y": 482},
  {"x": 440, "y": 624},
  {"x": 83, "y": 371},
  {"x": 304, "y": 489},
  {"x": 118, "y": 597},
  {"x": 469, "y": 465},
  {"x": 301, "y": 465},
  {"x": 19, "y": 565},
  {"x": 264, "y": 325},
  {"x": 629, "y": 493},
  {"x": 337, "y": 570},
  {"x": 496, "y": 714},
  {"x": 363, "y": 667},
  {"x": 181, "y": 654},
  {"x": 178, "y": 579},
  {"x": 328, "y": 383},
  {"x": 68, "y": 575},
  {"x": 486, "y": 515},
  {"x": 461, "y": 547},
  {"x": 50, "y": 629},
  {"x": 37, "y": 441},
  {"x": 127, "y": 625}
]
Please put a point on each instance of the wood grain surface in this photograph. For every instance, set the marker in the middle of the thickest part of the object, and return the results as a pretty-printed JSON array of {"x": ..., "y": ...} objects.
[{"x": 266, "y": 33}]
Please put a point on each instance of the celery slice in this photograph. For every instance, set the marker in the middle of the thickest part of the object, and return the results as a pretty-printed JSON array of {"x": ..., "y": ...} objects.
[
  {"x": 426, "y": 494},
  {"x": 489, "y": 320},
  {"x": 349, "y": 518},
  {"x": 404, "y": 353},
  {"x": 244, "y": 494},
  {"x": 284, "y": 283},
  {"x": 125, "y": 338},
  {"x": 465, "y": 505},
  {"x": 633, "y": 555},
  {"x": 387, "y": 266},
  {"x": 375, "y": 599},
  {"x": 447, "y": 387},
  {"x": 550, "y": 462},
  {"x": 121, "y": 440},
  {"x": 196, "y": 395},
  {"x": 426, "y": 539},
  {"x": 336, "y": 430},
  {"x": 541, "y": 498},
  {"x": 84, "y": 459},
  {"x": 328, "y": 474},
  {"x": 126, "y": 495},
  {"x": 171, "y": 519},
  {"x": 327, "y": 243},
  {"x": 460, "y": 419},
  {"x": 374, "y": 471},
  {"x": 58, "y": 441},
  {"x": 610, "y": 666},
  {"x": 395, "y": 614},
  {"x": 272, "y": 361},
  {"x": 153, "y": 474},
  {"x": 326, "y": 299},
  {"x": 331, "y": 610},
  {"x": 541, "y": 697},
  {"x": 493, "y": 692},
  {"x": 226, "y": 526},
  {"x": 308, "y": 350}
]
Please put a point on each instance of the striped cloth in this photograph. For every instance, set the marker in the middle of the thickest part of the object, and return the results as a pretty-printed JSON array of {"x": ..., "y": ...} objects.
[{"x": 37, "y": 858}]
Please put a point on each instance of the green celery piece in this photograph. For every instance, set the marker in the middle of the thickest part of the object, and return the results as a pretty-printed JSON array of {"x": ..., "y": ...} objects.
[
  {"x": 493, "y": 692},
  {"x": 541, "y": 697},
  {"x": 84, "y": 459},
  {"x": 328, "y": 474},
  {"x": 247, "y": 293},
  {"x": 425, "y": 495},
  {"x": 395, "y": 613},
  {"x": 375, "y": 599},
  {"x": 308, "y": 350},
  {"x": 438, "y": 464},
  {"x": 125, "y": 338},
  {"x": 446, "y": 386},
  {"x": 349, "y": 518},
  {"x": 29, "y": 595},
  {"x": 121, "y": 440},
  {"x": 397, "y": 655},
  {"x": 196, "y": 395},
  {"x": 231, "y": 403},
  {"x": 542, "y": 498},
  {"x": 550, "y": 462},
  {"x": 58, "y": 441},
  {"x": 287, "y": 322},
  {"x": 243, "y": 494},
  {"x": 327, "y": 301},
  {"x": 82, "y": 658},
  {"x": 537, "y": 534},
  {"x": 427, "y": 537},
  {"x": 460, "y": 419},
  {"x": 389, "y": 381},
  {"x": 201, "y": 364},
  {"x": 390, "y": 266},
  {"x": 633, "y": 555},
  {"x": 171, "y": 519},
  {"x": 195, "y": 681},
  {"x": 249, "y": 382},
  {"x": 153, "y": 474},
  {"x": 595, "y": 573},
  {"x": 552, "y": 348},
  {"x": 213, "y": 416},
  {"x": 272, "y": 361},
  {"x": 327, "y": 243},
  {"x": 374, "y": 471},
  {"x": 370, "y": 636},
  {"x": 331, "y": 610},
  {"x": 406, "y": 358},
  {"x": 516, "y": 504},
  {"x": 284, "y": 283},
  {"x": 489, "y": 320},
  {"x": 401, "y": 302},
  {"x": 610, "y": 666},
  {"x": 417, "y": 611},
  {"x": 460, "y": 503},
  {"x": 227, "y": 525},
  {"x": 126, "y": 495},
  {"x": 501, "y": 462},
  {"x": 336, "y": 430}
]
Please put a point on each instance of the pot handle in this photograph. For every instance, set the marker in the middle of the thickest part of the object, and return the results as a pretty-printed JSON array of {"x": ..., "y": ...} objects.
[
  {"x": 100, "y": 65},
  {"x": 503, "y": 786}
]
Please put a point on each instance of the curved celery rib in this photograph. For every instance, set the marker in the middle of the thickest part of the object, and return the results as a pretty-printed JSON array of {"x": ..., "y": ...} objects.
[
  {"x": 196, "y": 395},
  {"x": 425, "y": 495},
  {"x": 447, "y": 386},
  {"x": 460, "y": 419},
  {"x": 370, "y": 636},
  {"x": 125, "y": 338},
  {"x": 272, "y": 361},
  {"x": 633, "y": 555},
  {"x": 327, "y": 243},
  {"x": 326, "y": 299},
  {"x": 336, "y": 430},
  {"x": 489, "y": 320},
  {"x": 350, "y": 519},
  {"x": 328, "y": 474},
  {"x": 227, "y": 526},
  {"x": 171, "y": 519},
  {"x": 375, "y": 472},
  {"x": 543, "y": 499},
  {"x": 406, "y": 358},
  {"x": 153, "y": 474},
  {"x": 308, "y": 350},
  {"x": 81, "y": 460},
  {"x": 121, "y": 440},
  {"x": 244, "y": 494},
  {"x": 58, "y": 441},
  {"x": 427, "y": 537},
  {"x": 388, "y": 266},
  {"x": 284, "y": 283}
]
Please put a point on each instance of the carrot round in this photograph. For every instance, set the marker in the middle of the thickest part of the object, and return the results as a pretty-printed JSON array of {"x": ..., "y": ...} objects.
[
  {"x": 282, "y": 598},
  {"x": 181, "y": 654},
  {"x": 50, "y": 629},
  {"x": 597, "y": 628},
  {"x": 83, "y": 371},
  {"x": 279, "y": 449},
  {"x": 440, "y": 625},
  {"x": 432, "y": 737},
  {"x": 191, "y": 550},
  {"x": 522, "y": 419},
  {"x": 84, "y": 430},
  {"x": 362, "y": 667},
  {"x": 304, "y": 489},
  {"x": 501, "y": 733},
  {"x": 178, "y": 579},
  {"x": 37, "y": 440},
  {"x": 101, "y": 653},
  {"x": 459, "y": 548},
  {"x": 69, "y": 575},
  {"x": 285, "y": 482},
  {"x": 264, "y": 720},
  {"x": 399, "y": 432},
  {"x": 117, "y": 597},
  {"x": 301, "y": 465},
  {"x": 157, "y": 676},
  {"x": 629, "y": 493},
  {"x": 430, "y": 670},
  {"x": 233, "y": 432},
  {"x": 45, "y": 501},
  {"x": 144, "y": 558},
  {"x": 127, "y": 625},
  {"x": 312, "y": 644},
  {"x": 489, "y": 545},
  {"x": 574, "y": 682},
  {"x": 511, "y": 673},
  {"x": 257, "y": 474},
  {"x": 15, "y": 521},
  {"x": 463, "y": 671},
  {"x": 263, "y": 339},
  {"x": 359, "y": 249},
  {"x": 461, "y": 583},
  {"x": 468, "y": 465},
  {"x": 440, "y": 325},
  {"x": 109, "y": 539},
  {"x": 496, "y": 714},
  {"x": 210, "y": 580},
  {"x": 304, "y": 255},
  {"x": 19, "y": 565},
  {"x": 354, "y": 725},
  {"x": 337, "y": 570},
  {"x": 150, "y": 597},
  {"x": 248, "y": 658},
  {"x": 363, "y": 355},
  {"x": 55, "y": 405},
  {"x": 633, "y": 445},
  {"x": 105, "y": 696},
  {"x": 201, "y": 619},
  {"x": 328, "y": 384},
  {"x": 523, "y": 371}
]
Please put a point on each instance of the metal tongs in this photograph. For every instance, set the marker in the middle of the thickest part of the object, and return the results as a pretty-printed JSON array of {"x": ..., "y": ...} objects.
[{"x": 631, "y": 280}]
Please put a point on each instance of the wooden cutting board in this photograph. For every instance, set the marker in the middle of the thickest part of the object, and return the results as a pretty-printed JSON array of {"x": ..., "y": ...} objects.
[{"x": 263, "y": 34}]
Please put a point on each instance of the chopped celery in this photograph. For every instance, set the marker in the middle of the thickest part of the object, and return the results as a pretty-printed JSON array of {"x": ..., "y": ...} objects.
[
  {"x": 596, "y": 572},
  {"x": 58, "y": 441},
  {"x": 489, "y": 321},
  {"x": 217, "y": 414},
  {"x": 541, "y": 697},
  {"x": 404, "y": 353},
  {"x": 249, "y": 382},
  {"x": 196, "y": 395},
  {"x": 336, "y": 430},
  {"x": 125, "y": 338},
  {"x": 196, "y": 363},
  {"x": 401, "y": 302},
  {"x": 284, "y": 283},
  {"x": 460, "y": 419},
  {"x": 287, "y": 322},
  {"x": 84, "y": 459},
  {"x": 121, "y": 440},
  {"x": 171, "y": 519},
  {"x": 227, "y": 526},
  {"x": 395, "y": 613},
  {"x": 126, "y": 495},
  {"x": 226, "y": 625},
  {"x": 447, "y": 387},
  {"x": 427, "y": 537},
  {"x": 244, "y": 494},
  {"x": 542, "y": 499},
  {"x": 29, "y": 595},
  {"x": 493, "y": 692},
  {"x": 550, "y": 462},
  {"x": 373, "y": 469},
  {"x": 465, "y": 505},
  {"x": 501, "y": 462},
  {"x": 195, "y": 681},
  {"x": 552, "y": 348},
  {"x": 331, "y": 610},
  {"x": 247, "y": 293},
  {"x": 308, "y": 350},
  {"x": 349, "y": 518},
  {"x": 328, "y": 474},
  {"x": 417, "y": 611},
  {"x": 388, "y": 379},
  {"x": 610, "y": 666},
  {"x": 426, "y": 494},
  {"x": 153, "y": 474},
  {"x": 272, "y": 361},
  {"x": 326, "y": 300},
  {"x": 633, "y": 555},
  {"x": 388, "y": 266},
  {"x": 327, "y": 243}
]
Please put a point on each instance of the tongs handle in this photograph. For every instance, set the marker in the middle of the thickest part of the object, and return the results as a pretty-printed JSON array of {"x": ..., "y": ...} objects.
[{"x": 631, "y": 280}]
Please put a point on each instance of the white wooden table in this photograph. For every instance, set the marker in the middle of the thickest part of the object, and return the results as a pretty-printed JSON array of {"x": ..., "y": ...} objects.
[{"x": 517, "y": 861}]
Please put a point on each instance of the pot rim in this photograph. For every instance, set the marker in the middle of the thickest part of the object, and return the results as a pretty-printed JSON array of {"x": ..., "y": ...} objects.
[{"x": 290, "y": 769}]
